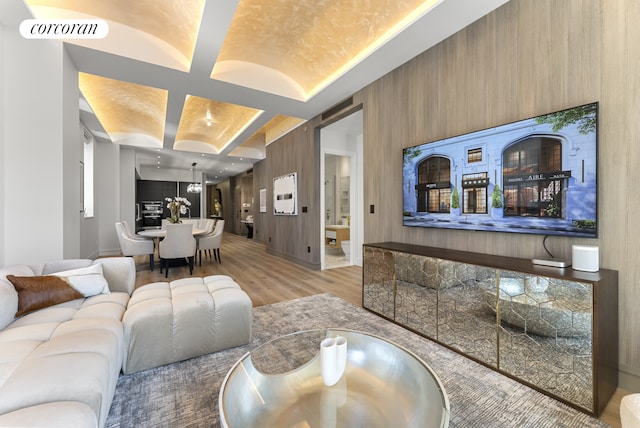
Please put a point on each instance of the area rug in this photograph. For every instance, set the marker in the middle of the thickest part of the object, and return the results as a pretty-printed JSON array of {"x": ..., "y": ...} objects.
[{"x": 185, "y": 394}]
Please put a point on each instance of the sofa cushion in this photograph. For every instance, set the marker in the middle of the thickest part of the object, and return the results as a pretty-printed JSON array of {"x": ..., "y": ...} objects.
[
  {"x": 60, "y": 265},
  {"x": 37, "y": 292},
  {"x": 71, "y": 352},
  {"x": 57, "y": 414},
  {"x": 89, "y": 281},
  {"x": 8, "y": 293}
]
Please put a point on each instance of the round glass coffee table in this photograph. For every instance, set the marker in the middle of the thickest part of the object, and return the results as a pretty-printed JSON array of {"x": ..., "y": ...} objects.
[{"x": 279, "y": 384}]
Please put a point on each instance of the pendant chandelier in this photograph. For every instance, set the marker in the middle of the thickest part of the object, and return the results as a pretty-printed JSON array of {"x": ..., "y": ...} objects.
[{"x": 195, "y": 186}]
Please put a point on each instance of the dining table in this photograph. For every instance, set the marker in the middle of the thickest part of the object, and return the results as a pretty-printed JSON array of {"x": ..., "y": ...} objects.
[
  {"x": 161, "y": 233},
  {"x": 158, "y": 234}
]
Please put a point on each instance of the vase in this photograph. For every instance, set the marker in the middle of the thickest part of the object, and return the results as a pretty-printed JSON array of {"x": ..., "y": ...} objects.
[
  {"x": 175, "y": 215},
  {"x": 333, "y": 359}
]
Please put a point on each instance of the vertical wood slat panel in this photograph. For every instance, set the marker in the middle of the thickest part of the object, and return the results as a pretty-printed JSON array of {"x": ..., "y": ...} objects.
[
  {"x": 295, "y": 237},
  {"x": 526, "y": 58},
  {"x": 515, "y": 63},
  {"x": 619, "y": 155}
]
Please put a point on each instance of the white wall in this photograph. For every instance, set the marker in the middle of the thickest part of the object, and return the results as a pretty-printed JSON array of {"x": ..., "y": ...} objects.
[
  {"x": 2, "y": 155},
  {"x": 107, "y": 170},
  {"x": 166, "y": 174},
  {"x": 127, "y": 185},
  {"x": 37, "y": 101},
  {"x": 72, "y": 155}
]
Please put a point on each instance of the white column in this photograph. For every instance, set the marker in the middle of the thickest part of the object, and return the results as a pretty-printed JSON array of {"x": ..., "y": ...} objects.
[{"x": 40, "y": 151}]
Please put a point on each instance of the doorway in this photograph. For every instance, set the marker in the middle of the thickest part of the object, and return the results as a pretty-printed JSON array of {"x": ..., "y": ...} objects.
[{"x": 341, "y": 225}]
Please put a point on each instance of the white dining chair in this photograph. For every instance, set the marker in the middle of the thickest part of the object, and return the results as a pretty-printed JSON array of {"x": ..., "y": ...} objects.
[
  {"x": 178, "y": 243},
  {"x": 134, "y": 246},
  {"x": 212, "y": 241}
]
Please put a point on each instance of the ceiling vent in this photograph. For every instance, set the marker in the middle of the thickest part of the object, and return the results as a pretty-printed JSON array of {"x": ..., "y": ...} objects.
[{"x": 336, "y": 108}]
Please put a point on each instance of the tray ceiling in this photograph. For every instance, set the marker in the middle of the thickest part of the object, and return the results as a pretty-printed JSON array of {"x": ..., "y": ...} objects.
[{"x": 179, "y": 79}]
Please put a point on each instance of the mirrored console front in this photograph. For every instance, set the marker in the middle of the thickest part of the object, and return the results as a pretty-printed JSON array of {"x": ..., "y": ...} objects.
[{"x": 535, "y": 324}]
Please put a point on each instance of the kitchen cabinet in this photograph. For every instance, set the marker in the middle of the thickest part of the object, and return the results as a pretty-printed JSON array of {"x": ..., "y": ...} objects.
[
  {"x": 555, "y": 330},
  {"x": 157, "y": 190},
  {"x": 194, "y": 198}
]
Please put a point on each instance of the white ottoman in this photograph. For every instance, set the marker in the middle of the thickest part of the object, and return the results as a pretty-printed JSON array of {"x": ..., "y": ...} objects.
[
  {"x": 173, "y": 321},
  {"x": 630, "y": 411}
]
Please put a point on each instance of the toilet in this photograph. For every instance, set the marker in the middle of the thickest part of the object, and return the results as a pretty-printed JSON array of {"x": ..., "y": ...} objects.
[{"x": 346, "y": 247}]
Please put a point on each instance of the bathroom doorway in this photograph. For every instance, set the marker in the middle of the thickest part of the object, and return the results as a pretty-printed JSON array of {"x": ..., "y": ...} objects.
[{"x": 341, "y": 192}]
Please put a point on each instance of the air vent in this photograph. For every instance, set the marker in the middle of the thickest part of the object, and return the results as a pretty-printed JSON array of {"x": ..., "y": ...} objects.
[
  {"x": 88, "y": 136},
  {"x": 336, "y": 108}
]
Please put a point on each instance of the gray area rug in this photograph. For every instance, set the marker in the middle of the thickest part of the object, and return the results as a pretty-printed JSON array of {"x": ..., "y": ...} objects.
[{"x": 185, "y": 394}]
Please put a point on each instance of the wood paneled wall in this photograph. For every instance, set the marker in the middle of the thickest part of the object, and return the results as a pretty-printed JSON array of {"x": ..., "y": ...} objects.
[
  {"x": 295, "y": 237},
  {"x": 528, "y": 57}
]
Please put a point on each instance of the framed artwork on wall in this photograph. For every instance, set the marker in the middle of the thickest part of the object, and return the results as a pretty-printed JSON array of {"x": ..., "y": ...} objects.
[{"x": 285, "y": 189}]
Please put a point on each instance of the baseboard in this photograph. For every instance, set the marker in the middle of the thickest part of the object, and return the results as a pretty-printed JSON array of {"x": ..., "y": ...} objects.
[
  {"x": 629, "y": 378},
  {"x": 312, "y": 266},
  {"x": 95, "y": 255},
  {"x": 109, "y": 253}
]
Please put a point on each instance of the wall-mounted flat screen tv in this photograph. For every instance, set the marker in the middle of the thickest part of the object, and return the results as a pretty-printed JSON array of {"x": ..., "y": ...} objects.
[{"x": 535, "y": 176}]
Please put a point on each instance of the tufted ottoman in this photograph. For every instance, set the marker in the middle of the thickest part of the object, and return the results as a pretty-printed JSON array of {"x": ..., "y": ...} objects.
[
  {"x": 630, "y": 411},
  {"x": 173, "y": 321}
]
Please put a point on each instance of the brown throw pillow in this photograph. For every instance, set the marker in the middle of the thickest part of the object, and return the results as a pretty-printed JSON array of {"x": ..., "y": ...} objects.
[{"x": 37, "y": 292}]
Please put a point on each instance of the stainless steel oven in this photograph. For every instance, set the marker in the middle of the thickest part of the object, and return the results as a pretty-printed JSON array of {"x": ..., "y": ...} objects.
[{"x": 151, "y": 214}]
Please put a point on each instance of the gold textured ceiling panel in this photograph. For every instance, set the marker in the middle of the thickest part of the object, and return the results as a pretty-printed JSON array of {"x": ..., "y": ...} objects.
[
  {"x": 128, "y": 112},
  {"x": 174, "y": 22},
  {"x": 253, "y": 148},
  {"x": 279, "y": 126},
  {"x": 212, "y": 123},
  {"x": 312, "y": 41}
]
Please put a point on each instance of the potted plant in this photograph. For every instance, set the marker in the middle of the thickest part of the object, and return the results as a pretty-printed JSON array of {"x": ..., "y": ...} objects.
[
  {"x": 455, "y": 202},
  {"x": 553, "y": 209},
  {"x": 177, "y": 206},
  {"x": 497, "y": 211}
]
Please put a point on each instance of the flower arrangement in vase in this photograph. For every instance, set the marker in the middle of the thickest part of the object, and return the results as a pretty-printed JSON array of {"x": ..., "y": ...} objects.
[{"x": 177, "y": 206}]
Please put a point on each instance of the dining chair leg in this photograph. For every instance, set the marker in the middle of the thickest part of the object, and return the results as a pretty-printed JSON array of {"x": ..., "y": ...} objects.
[
  {"x": 191, "y": 264},
  {"x": 151, "y": 262},
  {"x": 200, "y": 253},
  {"x": 217, "y": 251},
  {"x": 166, "y": 268}
]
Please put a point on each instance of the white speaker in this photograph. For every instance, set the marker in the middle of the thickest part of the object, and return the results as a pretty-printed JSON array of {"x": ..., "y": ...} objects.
[{"x": 585, "y": 257}]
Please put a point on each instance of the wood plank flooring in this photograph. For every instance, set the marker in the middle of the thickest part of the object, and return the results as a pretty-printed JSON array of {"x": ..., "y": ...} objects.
[
  {"x": 269, "y": 279},
  {"x": 265, "y": 278}
]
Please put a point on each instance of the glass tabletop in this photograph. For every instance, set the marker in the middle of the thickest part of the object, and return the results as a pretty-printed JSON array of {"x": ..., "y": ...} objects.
[{"x": 279, "y": 384}]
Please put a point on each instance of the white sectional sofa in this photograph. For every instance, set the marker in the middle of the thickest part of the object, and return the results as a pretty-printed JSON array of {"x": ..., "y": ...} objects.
[
  {"x": 68, "y": 329},
  {"x": 59, "y": 365}
]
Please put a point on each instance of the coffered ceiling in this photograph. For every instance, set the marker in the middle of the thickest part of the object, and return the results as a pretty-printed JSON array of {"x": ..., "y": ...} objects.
[{"x": 214, "y": 82}]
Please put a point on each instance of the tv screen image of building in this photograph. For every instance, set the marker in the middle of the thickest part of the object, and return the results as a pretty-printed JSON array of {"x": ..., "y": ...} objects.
[{"x": 535, "y": 176}]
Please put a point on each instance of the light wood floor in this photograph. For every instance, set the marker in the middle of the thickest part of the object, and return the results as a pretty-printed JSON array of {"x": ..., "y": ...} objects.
[
  {"x": 269, "y": 279},
  {"x": 265, "y": 278}
]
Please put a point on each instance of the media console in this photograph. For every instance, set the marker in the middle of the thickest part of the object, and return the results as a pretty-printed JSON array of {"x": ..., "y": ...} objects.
[{"x": 554, "y": 329}]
